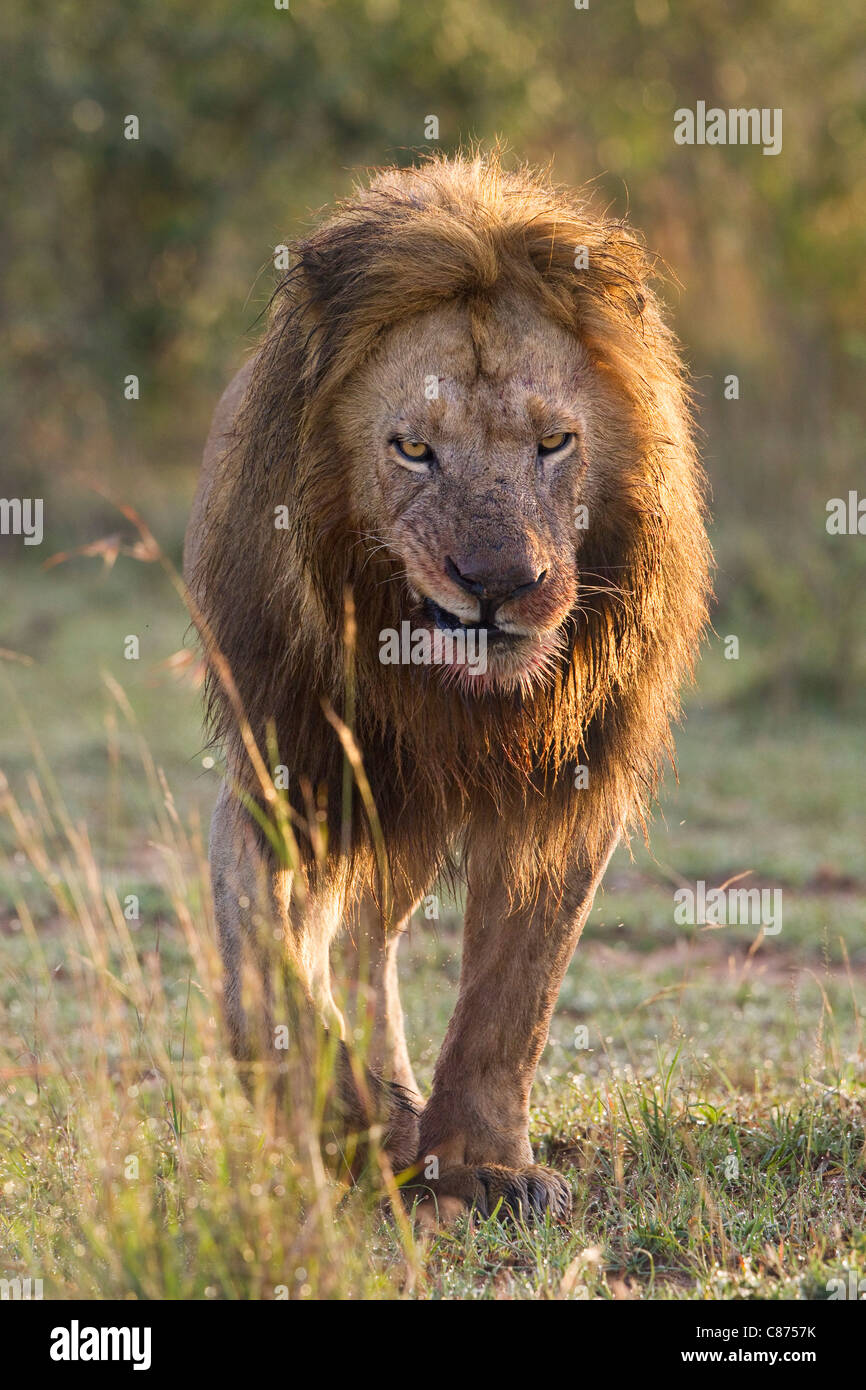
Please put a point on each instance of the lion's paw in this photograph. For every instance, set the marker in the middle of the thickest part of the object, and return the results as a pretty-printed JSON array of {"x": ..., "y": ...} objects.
[{"x": 522, "y": 1194}]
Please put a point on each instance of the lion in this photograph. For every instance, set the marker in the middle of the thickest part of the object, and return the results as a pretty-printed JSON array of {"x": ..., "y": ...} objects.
[{"x": 469, "y": 416}]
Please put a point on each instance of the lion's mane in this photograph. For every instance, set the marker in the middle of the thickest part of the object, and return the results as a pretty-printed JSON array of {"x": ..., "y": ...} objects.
[{"x": 274, "y": 599}]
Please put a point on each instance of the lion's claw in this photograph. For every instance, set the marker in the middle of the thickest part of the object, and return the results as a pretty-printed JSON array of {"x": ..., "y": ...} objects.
[{"x": 514, "y": 1193}]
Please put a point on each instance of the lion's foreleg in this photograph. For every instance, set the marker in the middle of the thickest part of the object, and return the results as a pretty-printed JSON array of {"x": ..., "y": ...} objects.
[
  {"x": 384, "y": 1087},
  {"x": 367, "y": 963},
  {"x": 261, "y": 932},
  {"x": 277, "y": 988},
  {"x": 475, "y": 1128}
]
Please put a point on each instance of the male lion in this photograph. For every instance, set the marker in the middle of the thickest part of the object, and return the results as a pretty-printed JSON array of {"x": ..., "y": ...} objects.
[{"x": 467, "y": 413}]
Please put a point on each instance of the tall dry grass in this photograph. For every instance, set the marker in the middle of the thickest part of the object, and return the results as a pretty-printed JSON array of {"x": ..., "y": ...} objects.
[{"x": 142, "y": 1168}]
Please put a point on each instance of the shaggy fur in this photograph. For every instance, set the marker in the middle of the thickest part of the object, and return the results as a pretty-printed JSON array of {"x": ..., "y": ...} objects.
[
  {"x": 491, "y": 773},
  {"x": 417, "y": 238}
]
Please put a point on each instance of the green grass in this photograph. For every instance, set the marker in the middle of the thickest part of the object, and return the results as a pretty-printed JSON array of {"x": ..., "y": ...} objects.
[{"x": 712, "y": 1125}]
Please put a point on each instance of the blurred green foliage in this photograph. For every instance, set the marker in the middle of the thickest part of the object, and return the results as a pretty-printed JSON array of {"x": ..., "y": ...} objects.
[{"x": 153, "y": 256}]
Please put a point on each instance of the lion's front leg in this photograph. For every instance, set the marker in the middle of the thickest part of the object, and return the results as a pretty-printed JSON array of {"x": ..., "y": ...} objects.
[{"x": 475, "y": 1146}]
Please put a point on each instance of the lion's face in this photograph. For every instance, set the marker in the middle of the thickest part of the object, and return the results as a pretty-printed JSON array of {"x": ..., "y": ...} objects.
[{"x": 472, "y": 435}]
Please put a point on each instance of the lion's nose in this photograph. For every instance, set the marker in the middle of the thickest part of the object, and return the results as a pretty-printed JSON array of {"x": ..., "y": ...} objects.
[{"x": 495, "y": 586}]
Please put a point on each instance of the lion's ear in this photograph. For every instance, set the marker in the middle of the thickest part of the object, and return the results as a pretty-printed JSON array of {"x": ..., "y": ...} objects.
[
  {"x": 312, "y": 305},
  {"x": 611, "y": 270},
  {"x": 334, "y": 289},
  {"x": 316, "y": 268},
  {"x": 332, "y": 261},
  {"x": 625, "y": 270}
]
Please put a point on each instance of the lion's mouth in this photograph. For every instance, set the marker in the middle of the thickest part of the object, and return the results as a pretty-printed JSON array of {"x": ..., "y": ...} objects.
[
  {"x": 483, "y": 658},
  {"x": 449, "y": 622}
]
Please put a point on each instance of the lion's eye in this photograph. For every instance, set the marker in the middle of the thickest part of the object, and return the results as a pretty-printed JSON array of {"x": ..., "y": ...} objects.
[
  {"x": 553, "y": 443},
  {"x": 413, "y": 449},
  {"x": 414, "y": 452}
]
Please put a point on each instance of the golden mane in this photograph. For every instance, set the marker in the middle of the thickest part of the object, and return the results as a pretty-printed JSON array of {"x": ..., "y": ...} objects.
[{"x": 274, "y": 599}]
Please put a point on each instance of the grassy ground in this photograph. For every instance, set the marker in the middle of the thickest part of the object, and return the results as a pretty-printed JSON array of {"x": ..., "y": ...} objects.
[{"x": 702, "y": 1088}]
